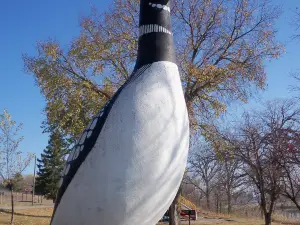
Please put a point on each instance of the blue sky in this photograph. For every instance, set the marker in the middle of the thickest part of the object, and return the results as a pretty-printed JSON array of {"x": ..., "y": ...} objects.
[
  {"x": 23, "y": 23},
  {"x": 278, "y": 71}
]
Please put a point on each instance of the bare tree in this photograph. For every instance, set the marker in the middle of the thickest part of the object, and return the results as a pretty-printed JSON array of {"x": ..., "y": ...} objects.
[
  {"x": 290, "y": 187},
  {"x": 258, "y": 142},
  {"x": 12, "y": 162},
  {"x": 258, "y": 163},
  {"x": 190, "y": 191},
  {"x": 231, "y": 177},
  {"x": 215, "y": 172},
  {"x": 204, "y": 167},
  {"x": 218, "y": 197},
  {"x": 262, "y": 145},
  {"x": 296, "y": 24},
  {"x": 285, "y": 139},
  {"x": 267, "y": 144},
  {"x": 289, "y": 160}
]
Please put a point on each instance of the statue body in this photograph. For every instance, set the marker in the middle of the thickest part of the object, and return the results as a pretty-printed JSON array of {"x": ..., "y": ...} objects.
[{"x": 128, "y": 165}]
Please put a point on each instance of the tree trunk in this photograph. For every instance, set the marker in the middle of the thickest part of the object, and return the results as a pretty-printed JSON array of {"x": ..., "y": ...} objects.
[
  {"x": 199, "y": 200},
  {"x": 267, "y": 218},
  {"x": 228, "y": 202},
  {"x": 207, "y": 202},
  {"x": 174, "y": 210},
  {"x": 217, "y": 203},
  {"x": 12, "y": 205},
  {"x": 262, "y": 215},
  {"x": 296, "y": 203}
]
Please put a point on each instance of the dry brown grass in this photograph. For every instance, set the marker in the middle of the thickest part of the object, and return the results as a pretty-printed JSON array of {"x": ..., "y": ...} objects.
[
  {"x": 27, "y": 216},
  {"x": 42, "y": 217},
  {"x": 208, "y": 214},
  {"x": 234, "y": 222},
  {"x": 283, "y": 220}
]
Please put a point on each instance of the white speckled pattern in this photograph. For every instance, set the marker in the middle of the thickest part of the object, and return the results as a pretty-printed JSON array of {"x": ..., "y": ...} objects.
[
  {"x": 152, "y": 28},
  {"x": 160, "y": 6},
  {"x": 133, "y": 172}
]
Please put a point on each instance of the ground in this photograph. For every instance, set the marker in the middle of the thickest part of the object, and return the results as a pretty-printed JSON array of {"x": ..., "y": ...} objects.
[
  {"x": 36, "y": 216},
  {"x": 224, "y": 222},
  {"x": 41, "y": 216}
]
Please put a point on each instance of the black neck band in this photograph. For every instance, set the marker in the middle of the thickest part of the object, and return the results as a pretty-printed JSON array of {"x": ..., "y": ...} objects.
[{"x": 155, "y": 41}]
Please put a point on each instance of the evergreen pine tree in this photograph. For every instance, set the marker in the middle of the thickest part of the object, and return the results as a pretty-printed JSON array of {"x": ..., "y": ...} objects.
[
  {"x": 18, "y": 182},
  {"x": 51, "y": 164}
]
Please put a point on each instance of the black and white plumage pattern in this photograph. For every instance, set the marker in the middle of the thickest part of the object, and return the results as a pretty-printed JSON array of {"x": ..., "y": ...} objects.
[
  {"x": 88, "y": 139},
  {"x": 138, "y": 160},
  {"x": 131, "y": 158}
]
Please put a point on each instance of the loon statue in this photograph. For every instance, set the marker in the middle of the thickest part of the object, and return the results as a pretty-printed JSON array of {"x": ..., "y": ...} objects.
[{"x": 127, "y": 166}]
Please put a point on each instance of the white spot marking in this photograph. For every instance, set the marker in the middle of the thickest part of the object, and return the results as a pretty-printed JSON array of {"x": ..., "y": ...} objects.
[
  {"x": 89, "y": 134},
  {"x": 81, "y": 148},
  {"x": 160, "y": 6},
  {"x": 60, "y": 182},
  {"x": 63, "y": 171},
  {"x": 90, "y": 123},
  {"x": 100, "y": 113},
  {"x": 67, "y": 169},
  {"x": 76, "y": 153},
  {"x": 82, "y": 138},
  {"x": 71, "y": 156},
  {"x": 93, "y": 124}
]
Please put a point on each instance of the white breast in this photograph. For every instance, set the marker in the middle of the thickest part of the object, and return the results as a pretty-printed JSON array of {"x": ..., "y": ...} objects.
[{"x": 135, "y": 168}]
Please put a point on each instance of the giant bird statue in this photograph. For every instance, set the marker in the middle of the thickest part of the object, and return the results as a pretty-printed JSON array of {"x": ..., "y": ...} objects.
[{"x": 128, "y": 164}]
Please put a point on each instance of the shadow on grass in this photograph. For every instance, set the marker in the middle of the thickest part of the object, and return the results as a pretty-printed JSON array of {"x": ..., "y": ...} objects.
[{"x": 22, "y": 214}]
